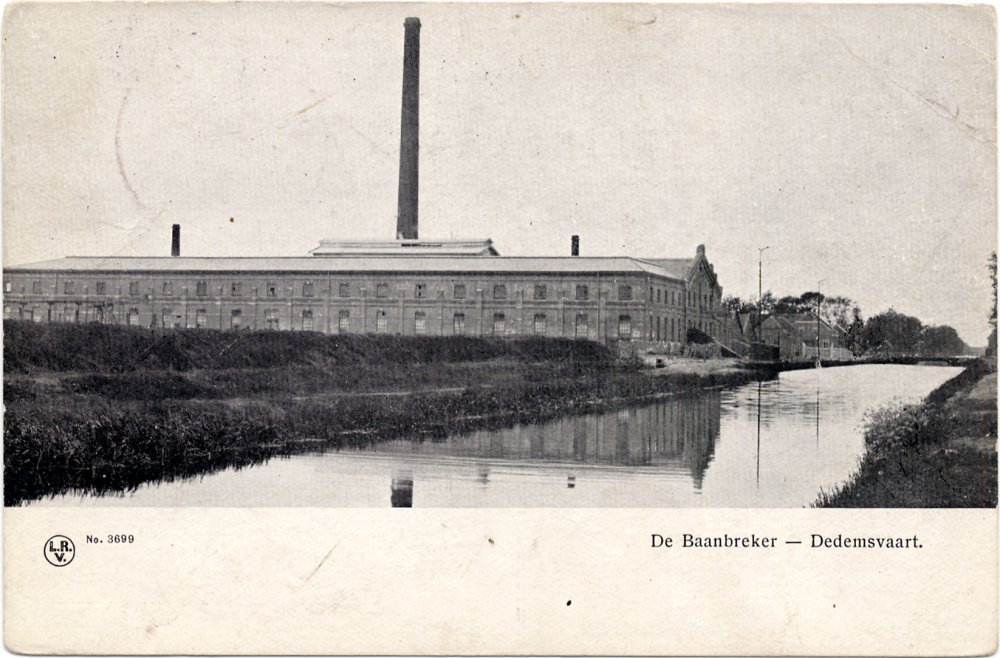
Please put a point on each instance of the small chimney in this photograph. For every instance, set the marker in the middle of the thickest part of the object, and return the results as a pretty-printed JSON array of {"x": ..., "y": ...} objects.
[
  {"x": 574, "y": 248},
  {"x": 175, "y": 242},
  {"x": 409, "y": 137}
]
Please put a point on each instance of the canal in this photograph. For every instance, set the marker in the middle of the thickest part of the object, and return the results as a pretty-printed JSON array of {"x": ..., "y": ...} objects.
[{"x": 769, "y": 444}]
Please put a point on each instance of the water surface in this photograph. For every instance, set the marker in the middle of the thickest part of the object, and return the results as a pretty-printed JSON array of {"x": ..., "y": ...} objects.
[{"x": 772, "y": 444}]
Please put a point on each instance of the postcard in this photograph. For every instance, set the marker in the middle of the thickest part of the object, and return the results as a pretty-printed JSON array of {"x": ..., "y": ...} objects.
[{"x": 384, "y": 328}]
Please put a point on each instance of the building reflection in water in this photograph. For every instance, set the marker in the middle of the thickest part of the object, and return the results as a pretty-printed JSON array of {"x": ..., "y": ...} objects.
[
  {"x": 402, "y": 488},
  {"x": 674, "y": 435}
]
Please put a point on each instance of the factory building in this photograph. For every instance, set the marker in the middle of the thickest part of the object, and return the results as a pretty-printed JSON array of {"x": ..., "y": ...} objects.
[{"x": 405, "y": 286}]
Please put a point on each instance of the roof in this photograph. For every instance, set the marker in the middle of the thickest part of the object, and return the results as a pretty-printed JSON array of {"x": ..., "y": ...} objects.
[
  {"x": 386, "y": 264},
  {"x": 787, "y": 321},
  {"x": 679, "y": 268},
  {"x": 425, "y": 248}
]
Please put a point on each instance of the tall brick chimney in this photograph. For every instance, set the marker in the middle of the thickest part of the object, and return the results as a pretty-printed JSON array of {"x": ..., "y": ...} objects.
[
  {"x": 409, "y": 139},
  {"x": 574, "y": 246},
  {"x": 175, "y": 241}
]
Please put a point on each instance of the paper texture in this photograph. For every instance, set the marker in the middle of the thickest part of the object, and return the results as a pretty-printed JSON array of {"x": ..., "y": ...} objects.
[{"x": 852, "y": 140}]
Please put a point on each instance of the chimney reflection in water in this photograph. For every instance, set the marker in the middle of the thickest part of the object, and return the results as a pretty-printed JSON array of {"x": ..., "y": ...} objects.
[{"x": 402, "y": 488}]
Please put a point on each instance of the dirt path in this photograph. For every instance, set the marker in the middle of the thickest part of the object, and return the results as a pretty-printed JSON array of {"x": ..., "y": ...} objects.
[{"x": 975, "y": 413}]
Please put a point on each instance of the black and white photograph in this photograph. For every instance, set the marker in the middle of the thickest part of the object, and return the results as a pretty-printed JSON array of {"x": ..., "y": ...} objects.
[{"x": 505, "y": 257}]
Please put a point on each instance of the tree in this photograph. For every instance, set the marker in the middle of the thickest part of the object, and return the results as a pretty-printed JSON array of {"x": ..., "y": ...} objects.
[
  {"x": 892, "y": 332},
  {"x": 941, "y": 341},
  {"x": 993, "y": 278},
  {"x": 854, "y": 340}
]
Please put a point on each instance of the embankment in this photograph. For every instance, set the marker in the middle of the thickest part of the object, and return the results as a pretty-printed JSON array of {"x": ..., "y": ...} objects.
[
  {"x": 105, "y": 409},
  {"x": 941, "y": 453}
]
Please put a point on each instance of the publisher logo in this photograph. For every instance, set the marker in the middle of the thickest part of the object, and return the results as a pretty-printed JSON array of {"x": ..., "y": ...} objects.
[{"x": 59, "y": 551}]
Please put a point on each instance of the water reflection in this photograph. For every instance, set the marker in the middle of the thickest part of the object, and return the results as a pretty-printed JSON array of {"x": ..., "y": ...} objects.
[
  {"x": 673, "y": 435},
  {"x": 771, "y": 444},
  {"x": 402, "y": 489}
]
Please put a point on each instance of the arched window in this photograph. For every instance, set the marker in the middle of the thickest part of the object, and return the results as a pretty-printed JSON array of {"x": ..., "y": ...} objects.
[
  {"x": 498, "y": 324},
  {"x": 420, "y": 323},
  {"x": 581, "y": 325},
  {"x": 307, "y": 320}
]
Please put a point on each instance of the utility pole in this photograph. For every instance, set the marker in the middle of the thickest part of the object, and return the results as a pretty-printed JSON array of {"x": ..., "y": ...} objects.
[
  {"x": 760, "y": 294},
  {"x": 819, "y": 305}
]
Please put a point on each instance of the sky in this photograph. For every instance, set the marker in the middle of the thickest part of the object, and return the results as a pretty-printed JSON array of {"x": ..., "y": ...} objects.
[{"x": 856, "y": 142}]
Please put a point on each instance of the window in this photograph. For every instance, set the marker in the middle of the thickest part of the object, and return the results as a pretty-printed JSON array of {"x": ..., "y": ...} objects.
[
  {"x": 651, "y": 293},
  {"x": 581, "y": 325},
  {"x": 382, "y": 290},
  {"x": 498, "y": 324},
  {"x": 624, "y": 326},
  {"x": 581, "y": 292},
  {"x": 307, "y": 320},
  {"x": 658, "y": 295},
  {"x": 459, "y": 291},
  {"x": 272, "y": 290},
  {"x": 344, "y": 290},
  {"x": 344, "y": 322},
  {"x": 500, "y": 291},
  {"x": 133, "y": 288},
  {"x": 165, "y": 316},
  {"x": 307, "y": 289},
  {"x": 67, "y": 287},
  {"x": 540, "y": 292},
  {"x": 100, "y": 288},
  {"x": 236, "y": 319},
  {"x": 539, "y": 325},
  {"x": 420, "y": 290},
  {"x": 8, "y": 286},
  {"x": 202, "y": 288},
  {"x": 657, "y": 328},
  {"x": 235, "y": 288},
  {"x": 381, "y": 324},
  {"x": 200, "y": 318},
  {"x": 271, "y": 319},
  {"x": 673, "y": 336},
  {"x": 133, "y": 317},
  {"x": 168, "y": 288},
  {"x": 624, "y": 292},
  {"x": 420, "y": 323},
  {"x": 36, "y": 288},
  {"x": 459, "y": 324}
]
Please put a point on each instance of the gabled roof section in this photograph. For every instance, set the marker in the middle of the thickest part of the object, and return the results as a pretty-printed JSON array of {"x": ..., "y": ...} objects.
[
  {"x": 453, "y": 248},
  {"x": 679, "y": 268},
  {"x": 686, "y": 268},
  {"x": 788, "y": 321}
]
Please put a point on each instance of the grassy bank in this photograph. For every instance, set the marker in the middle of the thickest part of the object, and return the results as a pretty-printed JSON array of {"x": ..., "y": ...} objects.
[
  {"x": 941, "y": 453},
  {"x": 105, "y": 409}
]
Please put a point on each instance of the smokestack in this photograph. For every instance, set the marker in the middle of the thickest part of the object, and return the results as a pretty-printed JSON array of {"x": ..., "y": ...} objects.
[
  {"x": 409, "y": 142},
  {"x": 175, "y": 241},
  {"x": 574, "y": 248}
]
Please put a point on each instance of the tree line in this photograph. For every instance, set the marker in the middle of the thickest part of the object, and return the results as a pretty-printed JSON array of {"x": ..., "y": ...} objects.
[{"x": 888, "y": 333}]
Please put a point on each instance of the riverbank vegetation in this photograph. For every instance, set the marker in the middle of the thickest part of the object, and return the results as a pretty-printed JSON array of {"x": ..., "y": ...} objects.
[
  {"x": 941, "y": 453},
  {"x": 104, "y": 409}
]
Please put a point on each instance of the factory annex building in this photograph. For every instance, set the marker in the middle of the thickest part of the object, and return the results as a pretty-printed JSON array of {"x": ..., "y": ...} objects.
[{"x": 404, "y": 286}]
